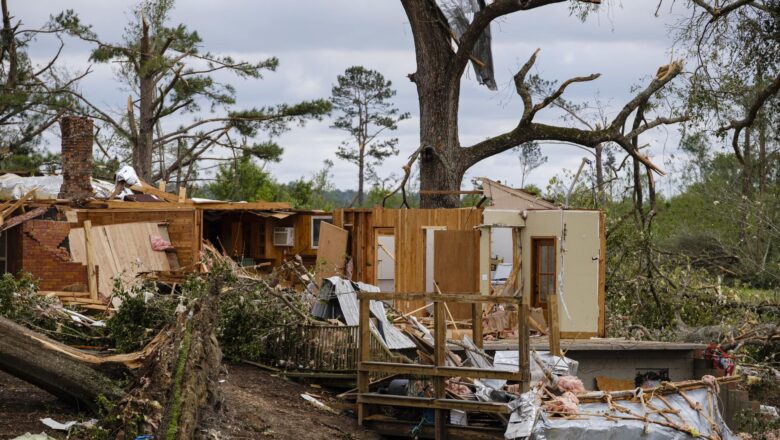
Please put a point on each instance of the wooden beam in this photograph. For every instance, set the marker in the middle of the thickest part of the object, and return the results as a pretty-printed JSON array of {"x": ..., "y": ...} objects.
[
  {"x": 91, "y": 274},
  {"x": 470, "y": 298},
  {"x": 439, "y": 354},
  {"x": 554, "y": 325},
  {"x": 182, "y": 194},
  {"x": 161, "y": 185},
  {"x": 433, "y": 403},
  {"x": 145, "y": 188},
  {"x": 434, "y": 371},
  {"x": 364, "y": 342}
]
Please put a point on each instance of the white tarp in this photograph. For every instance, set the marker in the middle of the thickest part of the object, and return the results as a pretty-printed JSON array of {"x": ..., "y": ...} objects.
[
  {"x": 584, "y": 427},
  {"x": 14, "y": 187}
]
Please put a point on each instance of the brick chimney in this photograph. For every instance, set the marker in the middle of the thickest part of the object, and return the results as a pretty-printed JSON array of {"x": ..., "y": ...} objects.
[{"x": 76, "y": 157}]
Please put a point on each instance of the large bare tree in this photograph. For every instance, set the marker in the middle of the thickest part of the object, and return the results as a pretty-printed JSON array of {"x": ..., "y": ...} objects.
[{"x": 443, "y": 53}]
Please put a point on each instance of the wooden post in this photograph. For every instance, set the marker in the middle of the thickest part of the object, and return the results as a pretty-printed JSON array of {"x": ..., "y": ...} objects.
[
  {"x": 182, "y": 194},
  {"x": 476, "y": 324},
  {"x": 523, "y": 313},
  {"x": 440, "y": 353},
  {"x": 554, "y": 324},
  {"x": 161, "y": 185},
  {"x": 91, "y": 274},
  {"x": 364, "y": 343}
]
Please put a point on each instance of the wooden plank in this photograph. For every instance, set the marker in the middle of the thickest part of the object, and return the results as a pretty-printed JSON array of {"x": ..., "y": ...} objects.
[
  {"x": 434, "y": 371},
  {"x": 182, "y": 194},
  {"x": 241, "y": 206},
  {"x": 433, "y": 403},
  {"x": 470, "y": 298},
  {"x": 554, "y": 324},
  {"x": 63, "y": 293},
  {"x": 602, "y": 331},
  {"x": 90, "y": 254},
  {"x": 145, "y": 188},
  {"x": 332, "y": 251},
  {"x": 19, "y": 219},
  {"x": 364, "y": 342},
  {"x": 121, "y": 250},
  {"x": 456, "y": 266}
]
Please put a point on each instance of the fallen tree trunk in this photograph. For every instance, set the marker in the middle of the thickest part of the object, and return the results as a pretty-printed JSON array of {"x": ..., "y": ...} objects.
[
  {"x": 61, "y": 370},
  {"x": 180, "y": 382}
]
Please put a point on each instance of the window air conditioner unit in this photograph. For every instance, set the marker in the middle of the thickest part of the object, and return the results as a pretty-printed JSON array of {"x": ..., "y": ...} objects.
[{"x": 284, "y": 236}]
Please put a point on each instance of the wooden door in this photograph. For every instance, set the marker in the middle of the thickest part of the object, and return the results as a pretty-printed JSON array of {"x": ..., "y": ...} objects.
[{"x": 456, "y": 266}]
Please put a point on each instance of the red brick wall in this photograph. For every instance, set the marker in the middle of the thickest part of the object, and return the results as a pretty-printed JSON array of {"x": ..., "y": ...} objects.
[{"x": 42, "y": 257}]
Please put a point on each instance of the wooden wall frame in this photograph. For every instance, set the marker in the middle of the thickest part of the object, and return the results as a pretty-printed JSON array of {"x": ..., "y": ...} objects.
[{"x": 439, "y": 371}]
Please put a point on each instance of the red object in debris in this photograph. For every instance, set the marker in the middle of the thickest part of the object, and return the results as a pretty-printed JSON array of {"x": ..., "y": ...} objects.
[
  {"x": 720, "y": 359},
  {"x": 159, "y": 243}
]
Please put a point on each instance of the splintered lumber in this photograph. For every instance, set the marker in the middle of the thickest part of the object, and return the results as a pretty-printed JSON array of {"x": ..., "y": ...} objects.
[
  {"x": 90, "y": 253},
  {"x": 61, "y": 370}
]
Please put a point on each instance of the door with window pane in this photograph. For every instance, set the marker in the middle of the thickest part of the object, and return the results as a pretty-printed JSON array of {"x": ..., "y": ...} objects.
[{"x": 543, "y": 270}]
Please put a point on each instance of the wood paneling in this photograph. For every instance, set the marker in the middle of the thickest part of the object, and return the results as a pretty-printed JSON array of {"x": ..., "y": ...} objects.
[
  {"x": 456, "y": 266},
  {"x": 331, "y": 253},
  {"x": 409, "y": 241},
  {"x": 184, "y": 227}
]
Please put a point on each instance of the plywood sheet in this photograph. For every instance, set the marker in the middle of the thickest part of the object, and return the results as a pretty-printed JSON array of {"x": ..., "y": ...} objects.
[
  {"x": 121, "y": 250},
  {"x": 455, "y": 266},
  {"x": 332, "y": 251}
]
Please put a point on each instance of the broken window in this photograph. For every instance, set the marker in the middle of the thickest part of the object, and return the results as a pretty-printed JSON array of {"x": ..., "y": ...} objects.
[
  {"x": 543, "y": 273},
  {"x": 315, "y": 228}
]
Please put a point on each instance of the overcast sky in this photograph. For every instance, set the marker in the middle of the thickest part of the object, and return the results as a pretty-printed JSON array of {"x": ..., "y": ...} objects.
[{"x": 316, "y": 40}]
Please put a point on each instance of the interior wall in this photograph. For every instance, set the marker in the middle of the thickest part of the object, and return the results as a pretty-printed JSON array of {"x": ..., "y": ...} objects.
[
  {"x": 581, "y": 304},
  {"x": 244, "y": 234},
  {"x": 184, "y": 226},
  {"x": 409, "y": 226}
]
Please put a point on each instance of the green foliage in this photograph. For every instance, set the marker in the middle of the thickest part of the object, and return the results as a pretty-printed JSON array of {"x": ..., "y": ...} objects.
[
  {"x": 362, "y": 100},
  {"x": 758, "y": 426},
  {"x": 142, "y": 315},
  {"x": 249, "y": 316},
  {"x": 172, "y": 76},
  {"x": 18, "y": 299},
  {"x": 33, "y": 95},
  {"x": 244, "y": 180},
  {"x": 531, "y": 158}
]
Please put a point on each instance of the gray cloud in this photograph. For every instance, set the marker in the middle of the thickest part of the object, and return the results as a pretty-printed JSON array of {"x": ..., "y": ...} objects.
[{"x": 316, "y": 40}]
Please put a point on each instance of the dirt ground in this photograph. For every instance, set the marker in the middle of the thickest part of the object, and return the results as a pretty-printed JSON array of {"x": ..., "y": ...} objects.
[
  {"x": 23, "y": 405},
  {"x": 257, "y": 405},
  {"x": 262, "y": 406}
]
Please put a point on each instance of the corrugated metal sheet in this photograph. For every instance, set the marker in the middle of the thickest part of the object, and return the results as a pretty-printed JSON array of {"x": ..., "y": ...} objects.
[
  {"x": 394, "y": 338},
  {"x": 344, "y": 292}
]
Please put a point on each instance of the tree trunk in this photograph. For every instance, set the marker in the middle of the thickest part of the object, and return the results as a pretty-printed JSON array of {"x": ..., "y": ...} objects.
[
  {"x": 600, "y": 197},
  {"x": 143, "y": 151},
  {"x": 361, "y": 175},
  {"x": 52, "y": 366},
  {"x": 181, "y": 381},
  {"x": 441, "y": 164}
]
